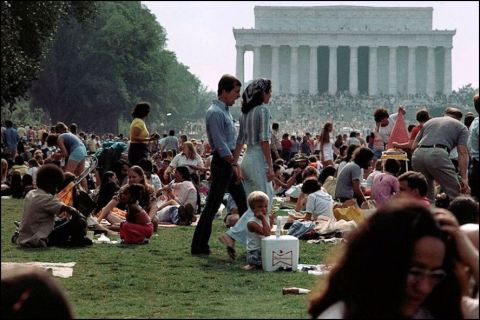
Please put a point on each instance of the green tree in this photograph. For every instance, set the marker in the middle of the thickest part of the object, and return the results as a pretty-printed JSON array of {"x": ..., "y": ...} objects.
[
  {"x": 96, "y": 73},
  {"x": 464, "y": 95},
  {"x": 23, "y": 114},
  {"x": 27, "y": 31}
]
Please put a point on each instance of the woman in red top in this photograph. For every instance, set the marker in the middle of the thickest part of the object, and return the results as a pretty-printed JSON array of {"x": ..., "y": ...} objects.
[
  {"x": 286, "y": 145},
  {"x": 138, "y": 228}
]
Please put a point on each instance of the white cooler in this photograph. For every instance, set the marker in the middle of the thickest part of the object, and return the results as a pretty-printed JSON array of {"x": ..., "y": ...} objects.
[{"x": 280, "y": 252}]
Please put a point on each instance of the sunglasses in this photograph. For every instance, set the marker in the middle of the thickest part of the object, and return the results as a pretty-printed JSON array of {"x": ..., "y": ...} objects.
[{"x": 435, "y": 276}]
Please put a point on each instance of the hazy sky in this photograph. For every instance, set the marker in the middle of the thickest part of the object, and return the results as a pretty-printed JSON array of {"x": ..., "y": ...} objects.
[{"x": 201, "y": 33}]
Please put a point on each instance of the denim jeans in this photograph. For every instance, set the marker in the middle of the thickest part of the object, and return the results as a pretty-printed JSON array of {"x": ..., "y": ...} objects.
[{"x": 223, "y": 179}]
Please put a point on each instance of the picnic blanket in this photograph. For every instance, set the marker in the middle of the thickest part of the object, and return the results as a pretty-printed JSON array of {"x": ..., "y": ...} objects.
[
  {"x": 62, "y": 270},
  {"x": 172, "y": 225}
]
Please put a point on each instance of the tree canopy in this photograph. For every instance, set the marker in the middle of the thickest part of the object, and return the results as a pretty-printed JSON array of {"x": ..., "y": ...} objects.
[
  {"x": 95, "y": 73},
  {"x": 27, "y": 31}
]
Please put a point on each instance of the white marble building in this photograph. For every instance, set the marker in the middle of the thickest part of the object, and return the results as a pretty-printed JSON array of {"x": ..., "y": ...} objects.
[{"x": 371, "y": 50}]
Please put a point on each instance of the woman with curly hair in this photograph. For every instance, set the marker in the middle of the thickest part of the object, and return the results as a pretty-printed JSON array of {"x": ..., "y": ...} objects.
[{"x": 399, "y": 264}]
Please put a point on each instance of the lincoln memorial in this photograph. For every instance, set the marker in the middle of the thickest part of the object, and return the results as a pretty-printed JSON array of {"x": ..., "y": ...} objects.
[{"x": 367, "y": 50}]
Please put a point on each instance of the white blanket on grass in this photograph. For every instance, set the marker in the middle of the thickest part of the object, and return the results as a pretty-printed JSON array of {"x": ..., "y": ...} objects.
[{"x": 62, "y": 270}]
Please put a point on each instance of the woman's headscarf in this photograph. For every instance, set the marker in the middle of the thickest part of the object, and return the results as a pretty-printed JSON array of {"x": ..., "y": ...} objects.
[
  {"x": 256, "y": 87},
  {"x": 253, "y": 94}
]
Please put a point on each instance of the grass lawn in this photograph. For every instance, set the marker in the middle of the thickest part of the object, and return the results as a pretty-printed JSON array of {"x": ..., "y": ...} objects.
[{"x": 162, "y": 280}]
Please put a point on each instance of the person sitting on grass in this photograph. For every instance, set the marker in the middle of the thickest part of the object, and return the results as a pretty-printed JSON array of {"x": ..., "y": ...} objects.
[
  {"x": 319, "y": 202},
  {"x": 400, "y": 263},
  {"x": 108, "y": 188},
  {"x": 137, "y": 228},
  {"x": 386, "y": 184},
  {"x": 115, "y": 215},
  {"x": 413, "y": 184},
  {"x": 282, "y": 180},
  {"x": 465, "y": 209},
  {"x": 39, "y": 226},
  {"x": 29, "y": 292},
  {"x": 181, "y": 200},
  {"x": 328, "y": 180},
  {"x": 257, "y": 227}
]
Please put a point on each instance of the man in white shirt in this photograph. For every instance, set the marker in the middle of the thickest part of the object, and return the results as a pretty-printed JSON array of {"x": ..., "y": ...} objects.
[{"x": 386, "y": 122}]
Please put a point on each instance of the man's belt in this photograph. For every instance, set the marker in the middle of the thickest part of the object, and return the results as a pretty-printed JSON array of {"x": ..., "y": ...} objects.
[{"x": 436, "y": 146}]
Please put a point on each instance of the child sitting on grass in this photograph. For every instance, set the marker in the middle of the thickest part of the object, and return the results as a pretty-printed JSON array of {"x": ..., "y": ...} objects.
[
  {"x": 39, "y": 228},
  {"x": 138, "y": 228},
  {"x": 257, "y": 227}
]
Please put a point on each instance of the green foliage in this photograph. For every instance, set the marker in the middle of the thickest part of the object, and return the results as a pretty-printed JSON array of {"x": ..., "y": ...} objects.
[
  {"x": 28, "y": 29},
  {"x": 464, "y": 95},
  {"x": 24, "y": 114},
  {"x": 162, "y": 280},
  {"x": 96, "y": 73}
]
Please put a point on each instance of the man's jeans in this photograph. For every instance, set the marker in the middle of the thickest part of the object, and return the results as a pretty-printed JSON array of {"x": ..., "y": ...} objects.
[{"x": 223, "y": 179}]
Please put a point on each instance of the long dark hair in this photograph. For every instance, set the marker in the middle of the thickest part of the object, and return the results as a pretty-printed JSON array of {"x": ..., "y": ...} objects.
[
  {"x": 325, "y": 137},
  {"x": 107, "y": 190},
  {"x": 183, "y": 171},
  {"x": 371, "y": 275}
]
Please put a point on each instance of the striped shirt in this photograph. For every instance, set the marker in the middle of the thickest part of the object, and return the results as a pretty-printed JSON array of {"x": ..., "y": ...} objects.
[{"x": 255, "y": 126}]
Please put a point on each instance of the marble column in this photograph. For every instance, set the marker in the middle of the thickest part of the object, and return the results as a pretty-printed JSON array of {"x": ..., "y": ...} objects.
[
  {"x": 313, "y": 71},
  {"x": 447, "y": 73},
  {"x": 392, "y": 71},
  {"x": 332, "y": 71},
  {"x": 256, "y": 63},
  {"x": 411, "y": 86},
  {"x": 275, "y": 70},
  {"x": 353, "y": 79},
  {"x": 372, "y": 71},
  {"x": 294, "y": 70},
  {"x": 240, "y": 63},
  {"x": 431, "y": 71}
]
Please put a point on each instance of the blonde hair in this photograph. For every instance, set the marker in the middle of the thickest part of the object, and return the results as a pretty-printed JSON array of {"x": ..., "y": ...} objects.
[
  {"x": 191, "y": 149},
  {"x": 256, "y": 197}
]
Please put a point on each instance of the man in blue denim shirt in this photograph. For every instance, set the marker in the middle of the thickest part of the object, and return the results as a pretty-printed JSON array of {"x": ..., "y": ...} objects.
[{"x": 224, "y": 168}]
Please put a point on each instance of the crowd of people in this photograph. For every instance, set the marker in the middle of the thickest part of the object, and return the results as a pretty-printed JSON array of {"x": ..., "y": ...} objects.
[{"x": 332, "y": 150}]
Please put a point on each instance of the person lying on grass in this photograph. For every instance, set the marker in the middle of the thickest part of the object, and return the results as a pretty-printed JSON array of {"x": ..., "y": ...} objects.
[
  {"x": 46, "y": 220},
  {"x": 258, "y": 227},
  {"x": 137, "y": 228},
  {"x": 175, "y": 214}
]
